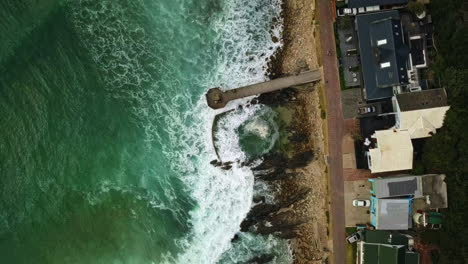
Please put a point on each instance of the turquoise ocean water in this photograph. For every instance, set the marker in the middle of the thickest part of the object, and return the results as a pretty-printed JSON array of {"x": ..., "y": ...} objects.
[{"x": 105, "y": 137}]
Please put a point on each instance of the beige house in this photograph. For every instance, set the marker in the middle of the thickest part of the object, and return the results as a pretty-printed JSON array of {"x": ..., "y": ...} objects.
[
  {"x": 417, "y": 115},
  {"x": 392, "y": 151},
  {"x": 420, "y": 113}
]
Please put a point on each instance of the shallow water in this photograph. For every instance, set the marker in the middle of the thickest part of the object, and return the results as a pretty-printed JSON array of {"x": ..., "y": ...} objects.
[{"x": 105, "y": 137}]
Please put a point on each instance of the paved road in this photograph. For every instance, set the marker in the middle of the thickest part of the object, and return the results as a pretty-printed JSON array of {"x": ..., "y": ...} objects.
[{"x": 335, "y": 127}]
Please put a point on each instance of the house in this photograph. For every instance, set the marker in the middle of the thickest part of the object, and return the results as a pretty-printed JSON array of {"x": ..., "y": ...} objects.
[
  {"x": 431, "y": 189},
  {"x": 392, "y": 151},
  {"x": 420, "y": 113},
  {"x": 383, "y": 53},
  {"x": 391, "y": 214},
  {"x": 391, "y": 55},
  {"x": 384, "y": 247}
]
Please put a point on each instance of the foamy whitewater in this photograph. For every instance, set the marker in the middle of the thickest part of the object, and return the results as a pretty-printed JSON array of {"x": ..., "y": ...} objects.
[{"x": 151, "y": 183}]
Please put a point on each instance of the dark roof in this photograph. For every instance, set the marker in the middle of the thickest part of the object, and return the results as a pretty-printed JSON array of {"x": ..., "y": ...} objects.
[
  {"x": 385, "y": 237},
  {"x": 422, "y": 100},
  {"x": 383, "y": 254},
  {"x": 362, "y": 3},
  {"x": 385, "y": 247},
  {"x": 381, "y": 43},
  {"x": 393, "y": 52},
  {"x": 417, "y": 51},
  {"x": 402, "y": 187},
  {"x": 371, "y": 253},
  {"x": 411, "y": 257}
]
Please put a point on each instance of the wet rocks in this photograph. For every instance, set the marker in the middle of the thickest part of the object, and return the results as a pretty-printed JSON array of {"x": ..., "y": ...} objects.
[
  {"x": 261, "y": 259},
  {"x": 275, "y": 175},
  {"x": 279, "y": 98},
  {"x": 223, "y": 165},
  {"x": 280, "y": 162},
  {"x": 264, "y": 213}
]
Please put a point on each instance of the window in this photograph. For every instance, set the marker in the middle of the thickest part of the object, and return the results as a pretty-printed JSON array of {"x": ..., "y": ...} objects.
[
  {"x": 381, "y": 42},
  {"x": 384, "y": 64}
]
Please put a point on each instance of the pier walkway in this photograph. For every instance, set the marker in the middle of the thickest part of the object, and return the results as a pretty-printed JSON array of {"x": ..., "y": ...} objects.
[{"x": 216, "y": 98}]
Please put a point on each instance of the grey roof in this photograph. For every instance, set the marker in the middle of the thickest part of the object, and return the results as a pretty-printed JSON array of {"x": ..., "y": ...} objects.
[
  {"x": 397, "y": 186},
  {"x": 393, "y": 214},
  {"x": 381, "y": 42},
  {"x": 363, "y": 3},
  {"x": 422, "y": 100}
]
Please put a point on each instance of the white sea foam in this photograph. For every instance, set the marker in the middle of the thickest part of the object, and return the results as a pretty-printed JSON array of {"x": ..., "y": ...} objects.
[
  {"x": 223, "y": 198},
  {"x": 258, "y": 127}
]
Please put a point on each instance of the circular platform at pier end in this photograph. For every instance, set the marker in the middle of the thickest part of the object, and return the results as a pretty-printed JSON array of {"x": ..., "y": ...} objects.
[{"x": 216, "y": 98}]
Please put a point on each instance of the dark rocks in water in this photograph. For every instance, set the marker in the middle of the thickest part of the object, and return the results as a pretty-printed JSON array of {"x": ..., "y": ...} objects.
[
  {"x": 262, "y": 259},
  {"x": 254, "y": 101},
  {"x": 216, "y": 163},
  {"x": 258, "y": 213},
  {"x": 275, "y": 176},
  {"x": 281, "y": 230},
  {"x": 259, "y": 199},
  {"x": 268, "y": 212},
  {"x": 226, "y": 167},
  {"x": 235, "y": 238},
  {"x": 275, "y": 39},
  {"x": 278, "y": 98},
  {"x": 278, "y": 160},
  {"x": 273, "y": 160}
]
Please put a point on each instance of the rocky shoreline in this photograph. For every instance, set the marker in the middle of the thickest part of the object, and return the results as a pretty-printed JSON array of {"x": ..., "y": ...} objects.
[{"x": 297, "y": 168}]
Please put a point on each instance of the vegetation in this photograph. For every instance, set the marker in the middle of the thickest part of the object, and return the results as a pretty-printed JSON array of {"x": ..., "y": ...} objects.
[
  {"x": 345, "y": 22},
  {"x": 351, "y": 248},
  {"x": 416, "y": 7},
  {"x": 338, "y": 54},
  {"x": 447, "y": 151}
]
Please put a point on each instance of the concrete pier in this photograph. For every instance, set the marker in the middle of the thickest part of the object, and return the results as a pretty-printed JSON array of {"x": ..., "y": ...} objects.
[{"x": 216, "y": 98}]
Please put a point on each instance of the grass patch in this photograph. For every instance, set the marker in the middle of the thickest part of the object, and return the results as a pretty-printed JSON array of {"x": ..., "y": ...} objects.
[
  {"x": 351, "y": 248},
  {"x": 338, "y": 54},
  {"x": 351, "y": 253},
  {"x": 323, "y": 114}
]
